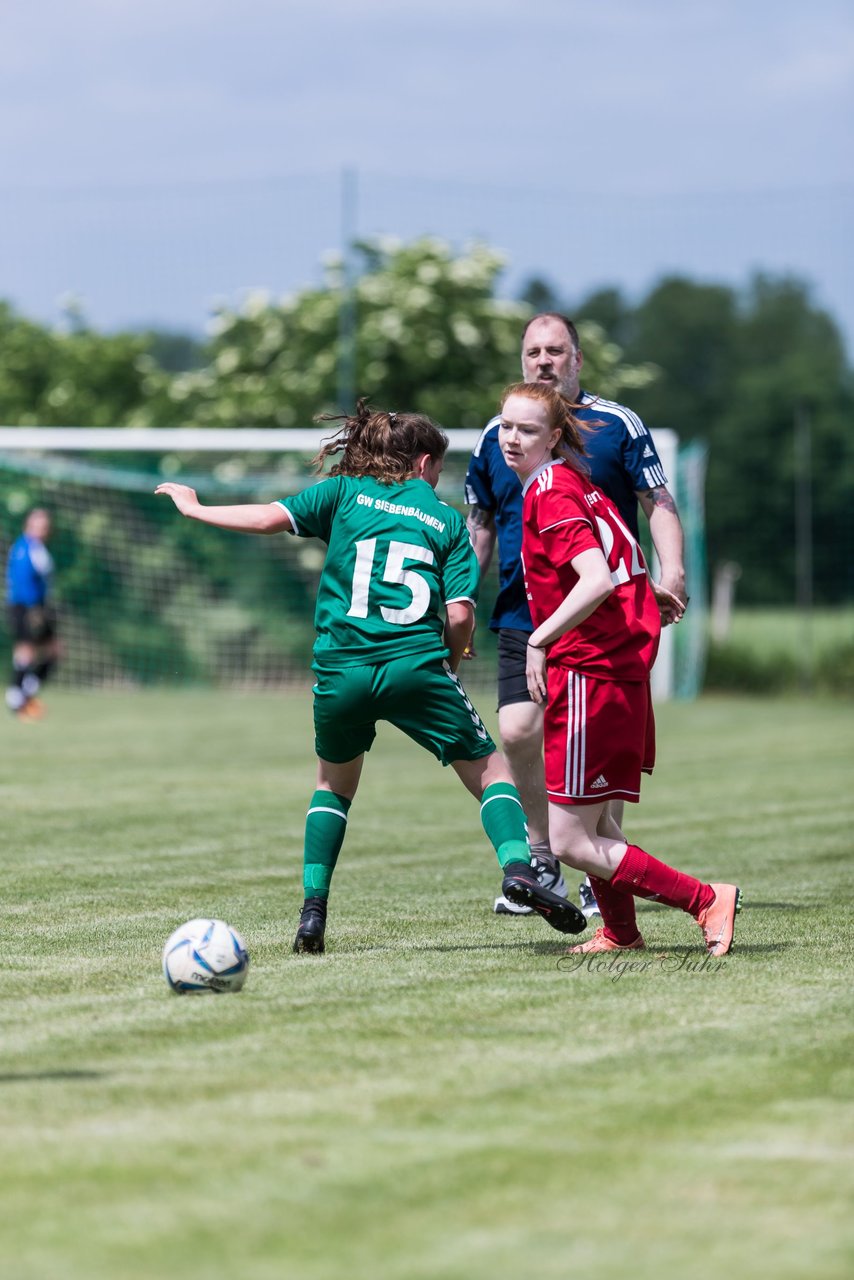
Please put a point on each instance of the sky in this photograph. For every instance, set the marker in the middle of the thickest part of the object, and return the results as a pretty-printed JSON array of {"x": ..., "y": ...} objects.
[{"x": 159, "y": 160}]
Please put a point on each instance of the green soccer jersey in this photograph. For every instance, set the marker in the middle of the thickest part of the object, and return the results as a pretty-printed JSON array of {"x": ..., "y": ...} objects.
[{"x": 395, "y": 557}]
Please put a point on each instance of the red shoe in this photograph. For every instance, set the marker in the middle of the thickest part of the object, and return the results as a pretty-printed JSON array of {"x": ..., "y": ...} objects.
[
  {"x": 34, "y": 709},
  {"x": 718, "y": 919},
  {"x": 601, "y": 942}
]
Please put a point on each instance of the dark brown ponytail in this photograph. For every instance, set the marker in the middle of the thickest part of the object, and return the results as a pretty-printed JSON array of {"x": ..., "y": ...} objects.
[{"x": 380, "y": 443}]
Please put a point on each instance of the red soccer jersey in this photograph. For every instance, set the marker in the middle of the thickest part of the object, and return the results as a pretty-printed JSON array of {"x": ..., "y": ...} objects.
[{"x": 564, "y": 515}]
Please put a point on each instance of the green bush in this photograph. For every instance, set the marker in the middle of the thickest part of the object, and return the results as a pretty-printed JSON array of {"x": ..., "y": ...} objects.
[
  {"x": 737, "y": 668},
  {"x": 835, "y": 670}
]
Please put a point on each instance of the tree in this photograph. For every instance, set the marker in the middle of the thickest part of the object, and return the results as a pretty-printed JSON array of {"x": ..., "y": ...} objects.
[
  {"x": 430, "y": 335},
  {"x": 790, "y": 360},
  {"x": 608, "y": 308},
  {"x": 735, "y": 367},
  {"x": 690, "y": 331},
  {"x": 538, "y": 294},
  {"x": 175, "y": 352},
  {"x": 74, "y": 378}
]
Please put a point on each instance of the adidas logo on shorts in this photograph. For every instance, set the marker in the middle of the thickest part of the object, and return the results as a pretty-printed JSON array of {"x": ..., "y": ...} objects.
[{"x": 601, "y": 781}]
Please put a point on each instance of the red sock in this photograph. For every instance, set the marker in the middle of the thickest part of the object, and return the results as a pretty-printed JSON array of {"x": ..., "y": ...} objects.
[
  {"x": 618, "y": 911},
  {"x": 644, "y": 876}
]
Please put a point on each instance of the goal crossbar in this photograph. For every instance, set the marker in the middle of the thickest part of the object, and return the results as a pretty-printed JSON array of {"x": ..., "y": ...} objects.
[
  {"x": 189, "y": 439},
  {"x": 219, "y": 440}
]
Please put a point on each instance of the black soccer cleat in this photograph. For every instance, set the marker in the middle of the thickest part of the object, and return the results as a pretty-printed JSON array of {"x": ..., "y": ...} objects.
[
  {"x": 312, "y": 927},
  {"x": 521, "y": 886}
]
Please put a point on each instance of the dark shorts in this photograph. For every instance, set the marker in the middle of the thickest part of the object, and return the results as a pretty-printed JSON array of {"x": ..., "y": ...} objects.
[
  {"x": 512, "y": 655},
  {"x": 419, "y": 694},
  {"x": 32, "y": 624}
]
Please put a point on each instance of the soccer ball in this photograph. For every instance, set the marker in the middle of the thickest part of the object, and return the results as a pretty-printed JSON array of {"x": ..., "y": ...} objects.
[{"x": 205, "y": 955}]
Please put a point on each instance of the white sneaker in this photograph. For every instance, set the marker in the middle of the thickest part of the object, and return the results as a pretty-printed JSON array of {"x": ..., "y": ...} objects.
[
  {"x": 548, "y": 872},
  {"x": 504, "y": 907},
  {"x": 587, "y": 901}
]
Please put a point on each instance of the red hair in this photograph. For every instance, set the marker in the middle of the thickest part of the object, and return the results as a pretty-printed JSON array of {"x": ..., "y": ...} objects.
[{"x": 561, "y": 417}]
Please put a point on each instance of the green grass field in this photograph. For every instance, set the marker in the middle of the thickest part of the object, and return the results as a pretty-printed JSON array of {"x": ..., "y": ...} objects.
[{"x": 438, "y": 1096}]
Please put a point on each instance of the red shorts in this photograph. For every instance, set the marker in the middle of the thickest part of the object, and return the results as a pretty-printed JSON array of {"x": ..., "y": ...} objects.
[{"x": 599, "y": 738}]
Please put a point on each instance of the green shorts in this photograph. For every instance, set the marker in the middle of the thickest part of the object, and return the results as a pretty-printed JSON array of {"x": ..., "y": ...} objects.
[{"x": 419, "y": 694}]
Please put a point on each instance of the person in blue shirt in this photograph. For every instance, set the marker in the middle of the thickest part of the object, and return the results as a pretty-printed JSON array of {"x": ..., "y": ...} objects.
[
  {"x": 624, "y": 462},
  {"x": 32, "y": 620}
]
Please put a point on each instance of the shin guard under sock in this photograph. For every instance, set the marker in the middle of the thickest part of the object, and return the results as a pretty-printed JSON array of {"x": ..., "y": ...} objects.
[
  {"x": 504, "y": 822},
  {"x": 644, "y": 876},
  {"x": 617, "y": 908},
  {"x": 325, "y": 828}
]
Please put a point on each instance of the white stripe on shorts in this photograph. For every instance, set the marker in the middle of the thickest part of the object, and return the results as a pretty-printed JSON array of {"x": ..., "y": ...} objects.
[{"x": 576, "y": 731}]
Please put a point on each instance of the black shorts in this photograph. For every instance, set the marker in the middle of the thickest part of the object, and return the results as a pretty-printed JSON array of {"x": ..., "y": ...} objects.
[
  {"x": 32, "y": 623},
  {"x": 512, "y": 656}
]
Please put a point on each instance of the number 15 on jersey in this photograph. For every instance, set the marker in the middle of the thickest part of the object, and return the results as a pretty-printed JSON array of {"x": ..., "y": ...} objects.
[{"x": 393, "y": 572}]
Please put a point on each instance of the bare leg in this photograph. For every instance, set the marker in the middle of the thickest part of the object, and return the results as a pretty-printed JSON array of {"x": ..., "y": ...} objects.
[
  {"x": 477, "y": 775},
  {"x": 621, "y": 872},
  {"x": 343, "y": 779},
  {"x": 23, "y": 654},
  {"x": 588, "y": 837},
  {"x": 576, "y": 839},
  {"x": 608, "y": 825},
  {"x": 616, "y": 809},
  {"x": 521, "y": 727},
  {"x": 611, "y": 822}
]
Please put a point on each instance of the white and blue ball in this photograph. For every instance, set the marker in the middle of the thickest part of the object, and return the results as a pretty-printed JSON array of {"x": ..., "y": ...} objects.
[{"x": 205, "y": 955}]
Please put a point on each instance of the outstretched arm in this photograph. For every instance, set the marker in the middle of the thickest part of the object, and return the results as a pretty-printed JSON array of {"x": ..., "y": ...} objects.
[{"x": 249, "y": 517}]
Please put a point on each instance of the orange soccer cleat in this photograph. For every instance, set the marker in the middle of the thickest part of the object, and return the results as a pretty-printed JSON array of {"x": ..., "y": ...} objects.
[
  {"x": 601, "y": 942},
  {"x": 718, "y": 919}
]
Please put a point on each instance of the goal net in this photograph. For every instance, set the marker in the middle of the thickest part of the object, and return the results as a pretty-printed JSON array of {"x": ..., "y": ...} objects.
[{"x": 145, "y": 597}]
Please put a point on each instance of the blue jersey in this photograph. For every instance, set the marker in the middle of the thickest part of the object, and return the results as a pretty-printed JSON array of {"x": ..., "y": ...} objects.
[
  {"x": 28, "y": 572},
  {"x": 622, "y": 460}
]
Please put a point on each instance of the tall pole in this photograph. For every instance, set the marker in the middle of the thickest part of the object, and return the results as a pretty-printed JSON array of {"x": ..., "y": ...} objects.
[
  {"x": 347, "y": 312},
  {"x": 803, "y": 540}
]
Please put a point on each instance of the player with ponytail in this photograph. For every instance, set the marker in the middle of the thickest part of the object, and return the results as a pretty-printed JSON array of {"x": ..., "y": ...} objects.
[
  {"x": 597, "y": 619},
  {"x": 394, "y": 613}
]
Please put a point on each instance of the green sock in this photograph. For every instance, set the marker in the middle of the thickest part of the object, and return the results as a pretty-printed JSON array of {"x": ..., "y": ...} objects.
[
  {"x": 325, "y": 828},
  {"x": 504, "y": 822}
]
